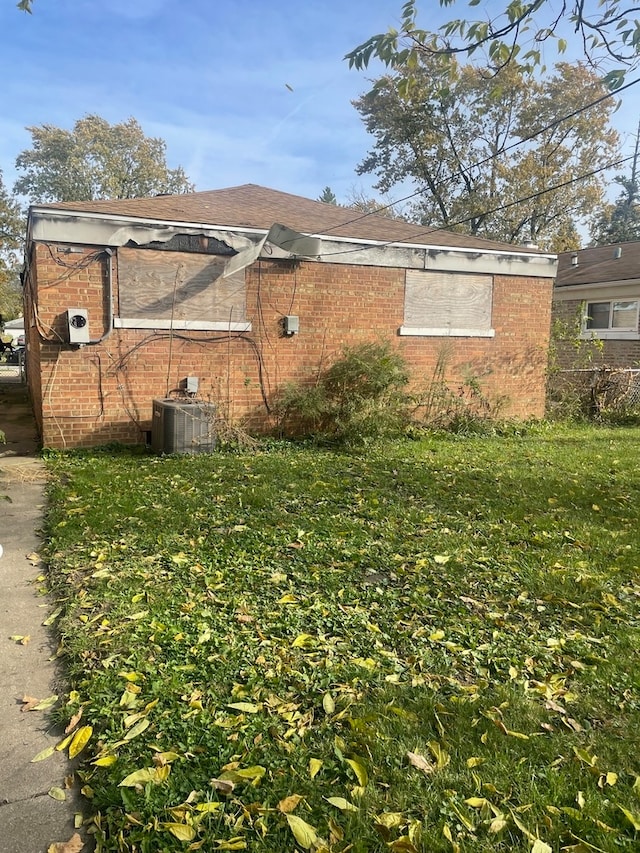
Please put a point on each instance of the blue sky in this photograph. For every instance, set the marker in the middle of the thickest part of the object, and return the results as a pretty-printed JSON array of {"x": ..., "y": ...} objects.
[{"x": 211, "y": 78}]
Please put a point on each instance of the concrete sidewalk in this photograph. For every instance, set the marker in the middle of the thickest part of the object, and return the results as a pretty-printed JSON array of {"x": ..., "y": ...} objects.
[{"x": 30, "y": 819}]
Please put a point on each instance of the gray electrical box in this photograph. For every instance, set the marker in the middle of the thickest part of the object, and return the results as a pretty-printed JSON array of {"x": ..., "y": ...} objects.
[
  {"x": 291, "y": 324},
  {"x": 78, "y": 325}
]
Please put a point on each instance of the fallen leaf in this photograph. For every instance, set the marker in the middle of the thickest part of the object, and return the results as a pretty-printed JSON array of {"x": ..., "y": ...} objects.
[
  {"x": 303, "y": 832},
  {"x": 420, "y": 763},
  {"x": 360, "y": 770},
  {"x": 245, "y": 707},
  {"x": 80, "y": 740},
  {"x": 315, "y": 765},
  {"x": 28, "y": 703},
  {"x": 633, "y": 819},
  {"x": 73, "y": 722},
  {"x": 57, "y": 794},
  {"x": 23, "y": 639},
  {"x": 328, "y": 704},
  {"x": 147, "y": 774},
  {"x": 289, "y": 804},
  {"x": 224, "y": 786},
  {"x": 46, "y": 753},
  {"x": 74, "y": 845},
  {"x": 49, "y": 702},
  {"x": 182, "y": 831},
  {"x": 342, "y": 804}
]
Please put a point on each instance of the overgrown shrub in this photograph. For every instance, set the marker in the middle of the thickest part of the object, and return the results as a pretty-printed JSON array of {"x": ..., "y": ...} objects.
[
  {"x": 363, "y": 396},
  {"x": 360, "y": 397}
]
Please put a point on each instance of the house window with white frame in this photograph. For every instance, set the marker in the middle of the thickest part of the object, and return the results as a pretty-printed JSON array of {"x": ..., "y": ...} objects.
[
  {"x": 611, "y": 318},
  {"x": 447, "y": 304}
]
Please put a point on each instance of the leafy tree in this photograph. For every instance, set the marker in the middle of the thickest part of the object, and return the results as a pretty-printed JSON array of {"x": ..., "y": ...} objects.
[
  {"x": 12, "y": 228},
  {"x": 621, "y": 221},
  {"x": 328, "y": 196},
  {"x": 96, "y": 160},
  {"x": 473, "y": 145},
  {"x": 607, "y": 32},
  {"x": 358, "y": 200}
]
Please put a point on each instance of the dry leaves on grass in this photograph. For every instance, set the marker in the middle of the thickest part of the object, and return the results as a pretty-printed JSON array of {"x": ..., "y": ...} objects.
[{"x": 74, "y": 845}]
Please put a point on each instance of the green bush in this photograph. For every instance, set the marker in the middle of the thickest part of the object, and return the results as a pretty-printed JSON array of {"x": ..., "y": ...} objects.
[{"x": 360, "y": 397}]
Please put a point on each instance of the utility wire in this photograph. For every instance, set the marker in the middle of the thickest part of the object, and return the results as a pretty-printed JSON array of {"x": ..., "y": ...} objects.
[
  {"x": 497, "y": 209},
  {"x": 453, "y": 175}
]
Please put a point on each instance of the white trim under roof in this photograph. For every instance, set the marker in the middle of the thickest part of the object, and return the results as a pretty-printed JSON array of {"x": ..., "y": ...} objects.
[{"x": 96, "y": 229}]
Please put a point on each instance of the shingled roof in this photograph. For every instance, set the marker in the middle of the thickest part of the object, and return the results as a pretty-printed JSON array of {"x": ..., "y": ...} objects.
[
  {"x": 253, "y": 206},
  {"x": 599, "y": 265}
]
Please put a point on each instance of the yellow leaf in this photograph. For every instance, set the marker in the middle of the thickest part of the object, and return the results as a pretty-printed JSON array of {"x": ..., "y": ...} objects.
[
  {"x": 633, "y": 819},
  {"x": 475, "y": 762},
  {"x": 303, "y": 832},
  {"x": 303, "y": 641},
  {"x": 328, "y": 704},
  {"x": 360, "y": 771},
  {"x": 245, "y": 707},
  {"x": 80, "y": 740},
  {"x": 476, "y": 802},
  {"x": 46, "y": 753},
  {"x": 391, "y": 820},
  {"x": 105, "y": 761},
  {"x": 182, "y": 831},
  {"x": 138, "y": 729},
  {"x": 23, "y": 639},
  {"x": 290, "y": 803},
  {"x": 342, "y": 804},
  {"x": 288, "y": 599},
  {"x": 315, "y": 765},
  {"x": 441, "y": 756},
  {"x": 437, "y": 635},
  {"x": 46, "y": 703},
  {"x": 57, "y": 794},
  {"x": 208, "y": 807},
  {"x": 540, "y": 847},
  {"x": 148, "y": 774},
  {"x": 64, "y": 743},
  {"x": 441, "y": 559}
]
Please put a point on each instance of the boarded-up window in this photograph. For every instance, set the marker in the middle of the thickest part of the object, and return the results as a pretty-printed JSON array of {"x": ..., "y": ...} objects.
[
  {"x": 181, "y": 289},
  {"x": 442, "y": 303}
]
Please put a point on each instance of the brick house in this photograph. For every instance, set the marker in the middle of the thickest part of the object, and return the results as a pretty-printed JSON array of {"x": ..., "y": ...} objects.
[
  {"x": 596, "y": 297},
  {"x": 207, "y": 296}
]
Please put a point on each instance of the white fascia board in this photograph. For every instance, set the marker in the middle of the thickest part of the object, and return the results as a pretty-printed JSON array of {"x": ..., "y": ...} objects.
[
  {"x": 598, "y": 292},
  {"x": 51, "y": 225}
]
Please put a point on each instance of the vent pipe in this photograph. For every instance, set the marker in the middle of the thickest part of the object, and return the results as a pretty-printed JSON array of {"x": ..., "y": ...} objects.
[
  {"x": 617, "y": 252},
  {"x": 574, "y": 260}
]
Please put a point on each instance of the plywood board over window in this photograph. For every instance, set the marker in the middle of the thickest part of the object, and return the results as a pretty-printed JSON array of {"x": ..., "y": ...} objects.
[
  {"x": 179, "y": 290},
  {"x": 443, "y": 303}
]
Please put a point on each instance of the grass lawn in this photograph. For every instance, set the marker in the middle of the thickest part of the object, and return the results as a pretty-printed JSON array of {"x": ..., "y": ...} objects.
[{"x": 431, "y": 646}]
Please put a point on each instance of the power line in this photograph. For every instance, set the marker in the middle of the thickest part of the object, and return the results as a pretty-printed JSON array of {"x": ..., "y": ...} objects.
[
  {"x": 486, "y": 212},
  {"x": 487, "y": 160}
]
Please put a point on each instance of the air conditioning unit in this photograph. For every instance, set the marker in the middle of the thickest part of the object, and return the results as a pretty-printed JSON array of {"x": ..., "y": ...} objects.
[{"x": 182, "y": 426}]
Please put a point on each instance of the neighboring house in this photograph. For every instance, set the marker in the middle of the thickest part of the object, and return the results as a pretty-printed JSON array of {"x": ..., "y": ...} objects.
[
  {"x": 224, "y": 296},
  {"x": 597, "y": 298},
  {"x": 15, "y": 328}
]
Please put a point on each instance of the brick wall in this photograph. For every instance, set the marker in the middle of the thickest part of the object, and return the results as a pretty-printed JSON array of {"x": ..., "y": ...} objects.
[{"x": 104, "y": 392}]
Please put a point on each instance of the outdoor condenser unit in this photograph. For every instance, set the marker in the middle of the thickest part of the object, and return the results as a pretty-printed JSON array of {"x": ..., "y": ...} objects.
[{"x": 182, "y": 426}]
